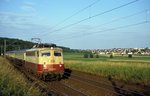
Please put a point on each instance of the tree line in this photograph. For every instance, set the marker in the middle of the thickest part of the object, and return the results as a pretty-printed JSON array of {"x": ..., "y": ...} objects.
[
  {"x": 18, "y": 44},
  {"x": 14, "y": 44}
]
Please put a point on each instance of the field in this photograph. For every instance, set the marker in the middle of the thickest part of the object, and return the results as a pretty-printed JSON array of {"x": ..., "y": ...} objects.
[
  {"x": 132, "y": 70},
  {"x": 13, "y": 83}
]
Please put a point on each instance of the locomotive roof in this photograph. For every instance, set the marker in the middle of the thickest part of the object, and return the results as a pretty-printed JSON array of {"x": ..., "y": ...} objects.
[
  {"x": 17, "y": 51},
  {"x": 32, "y": 49},
  {"x": 45, "y": 45},
  {"x": 37, "y": 49}
]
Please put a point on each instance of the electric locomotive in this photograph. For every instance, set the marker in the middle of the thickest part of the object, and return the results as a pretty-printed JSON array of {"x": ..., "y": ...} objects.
[{"x": 44, "y": 61}]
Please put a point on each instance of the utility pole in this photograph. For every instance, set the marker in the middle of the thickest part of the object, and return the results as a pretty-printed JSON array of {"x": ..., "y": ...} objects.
[
  {"x": 18, "y": 47},
  {"x": 4, "y": 47},
  {"x": 1, "y": 50}
]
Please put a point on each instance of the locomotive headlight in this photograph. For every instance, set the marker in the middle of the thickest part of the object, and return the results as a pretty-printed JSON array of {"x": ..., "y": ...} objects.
[
  {"x": 60, "y": 65},
  {"x": 44, "y": 66}
]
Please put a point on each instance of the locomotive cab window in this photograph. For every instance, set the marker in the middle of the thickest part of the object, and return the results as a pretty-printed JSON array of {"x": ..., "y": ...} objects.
[
  {"x": 57, "y": 53},
  {"x": 30, "y": 53},
  {"x": 45, "y": 54}
]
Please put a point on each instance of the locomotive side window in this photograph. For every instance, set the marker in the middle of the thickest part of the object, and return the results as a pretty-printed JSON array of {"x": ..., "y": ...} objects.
[
  {"x": 46, "y": 54},
  {"x": 57, "y": 53},
  {"x": 32, "y": 53}
]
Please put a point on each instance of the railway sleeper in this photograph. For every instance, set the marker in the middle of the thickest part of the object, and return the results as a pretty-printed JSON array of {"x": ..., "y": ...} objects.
[{"x": 52, "y": 76}]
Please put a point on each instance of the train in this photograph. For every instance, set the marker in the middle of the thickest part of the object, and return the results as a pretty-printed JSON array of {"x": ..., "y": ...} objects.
[{"x": 44, "y": 61}]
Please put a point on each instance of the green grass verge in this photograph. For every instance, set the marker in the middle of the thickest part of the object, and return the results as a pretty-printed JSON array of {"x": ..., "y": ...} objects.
[
  {"x": 13, "y": 83},
  {"x": 134, "y": 70}
]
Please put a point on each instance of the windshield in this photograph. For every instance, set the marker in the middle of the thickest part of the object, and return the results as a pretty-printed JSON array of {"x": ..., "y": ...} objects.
[
  {"x": 57, "y": 53},
  {"x": 46, "y": 54}
]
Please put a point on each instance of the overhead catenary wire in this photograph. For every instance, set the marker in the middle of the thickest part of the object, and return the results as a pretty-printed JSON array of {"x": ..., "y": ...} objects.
[
  {"x": 77, "y": 13},
  {"x": 109, "y": 22},
  {"x": 107, "y": 30},
  {"x": 125, "y": 17},
  {"x": 104, "y": 12},
  {"x": 120, "y": 27},
  {"x": 69, "y": 17},
  {"x": 115, "y": 20}
]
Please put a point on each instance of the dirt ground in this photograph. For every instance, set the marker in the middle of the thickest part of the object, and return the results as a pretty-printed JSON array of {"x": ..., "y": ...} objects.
[{"x": 94, "y": 85}]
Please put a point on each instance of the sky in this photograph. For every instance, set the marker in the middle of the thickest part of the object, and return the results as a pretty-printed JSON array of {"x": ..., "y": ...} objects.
[{"x": 78, "y": 24}]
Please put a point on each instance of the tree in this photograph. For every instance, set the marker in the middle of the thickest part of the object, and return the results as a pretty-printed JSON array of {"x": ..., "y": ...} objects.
[
  {"x": 91, "y": 55},
  {"x": 97, "y": 56},
  {"x": 85, "y": 55},
  {"x": 129, "y": 55},
  {"x": 111, "y": 55}
]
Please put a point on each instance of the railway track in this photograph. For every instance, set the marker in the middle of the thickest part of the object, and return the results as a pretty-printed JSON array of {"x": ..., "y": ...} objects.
[
  {"x": 90, "y": 87},
  {"x": 100, "y": 87},
  {"x": 51, "y": 88},
  {"x": 35, "y": 81},
  {"x": 55, "y": 88},
  {"x": 65, "y": 89},
  {"x": 82, "y": 84}
]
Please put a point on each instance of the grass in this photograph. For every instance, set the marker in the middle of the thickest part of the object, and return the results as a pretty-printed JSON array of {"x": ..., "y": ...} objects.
[
  {"x": 13, "y": 83},
  {"x": 79, "y": 56},
  {"x": 134, "y": 70}
]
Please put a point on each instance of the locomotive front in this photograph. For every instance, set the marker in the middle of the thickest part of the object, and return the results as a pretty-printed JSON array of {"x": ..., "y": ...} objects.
[
  {"x": 51, "y": 63},
  {"x": 46, "y": 63}
]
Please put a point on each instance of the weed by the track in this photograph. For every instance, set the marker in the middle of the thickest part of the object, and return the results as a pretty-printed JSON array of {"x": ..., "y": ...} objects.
[{"x": 13, "y": 83}]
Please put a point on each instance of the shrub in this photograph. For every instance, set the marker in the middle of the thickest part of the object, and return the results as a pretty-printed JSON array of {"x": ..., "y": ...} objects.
[
  {"x": 91, "y": 55},
  {"x": 130, "y": 56},
  {"x": 111, "y": 55},
  {"x": 85, "y": 55},
  {"x": 97, "y": 56}
]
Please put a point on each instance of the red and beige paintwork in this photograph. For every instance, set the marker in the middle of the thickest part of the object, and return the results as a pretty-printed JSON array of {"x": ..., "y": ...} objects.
[
  {"x": 41, "y": 60},
  {"x": 45, "y": 60}
]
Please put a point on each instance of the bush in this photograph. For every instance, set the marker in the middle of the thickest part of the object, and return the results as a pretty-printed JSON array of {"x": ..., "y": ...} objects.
[
  {"x": 97, "y": 56},
  {"x": 86, "y": 55},
  {"x": 91, "y": 55},
  {"x": 130, "y": 56},
  {"x": 111, "y": 56}
]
